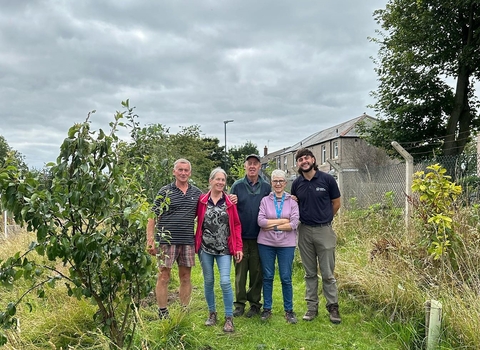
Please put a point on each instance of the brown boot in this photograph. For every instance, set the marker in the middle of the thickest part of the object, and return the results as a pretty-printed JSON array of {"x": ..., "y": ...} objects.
[
  {"x": 228, "y": 326},
  {"x": 212, "y": 319},
  {"x": 334, "y": 314}
]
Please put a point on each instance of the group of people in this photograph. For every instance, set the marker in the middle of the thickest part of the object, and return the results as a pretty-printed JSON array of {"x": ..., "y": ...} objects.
[{"x": 257, "y": 224}]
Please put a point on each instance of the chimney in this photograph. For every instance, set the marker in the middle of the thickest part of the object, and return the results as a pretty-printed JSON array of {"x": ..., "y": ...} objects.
[{"x": 265, "y": 151}]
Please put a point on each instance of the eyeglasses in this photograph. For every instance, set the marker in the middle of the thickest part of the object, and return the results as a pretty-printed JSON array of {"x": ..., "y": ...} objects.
[{"x": 278, "y": 181}]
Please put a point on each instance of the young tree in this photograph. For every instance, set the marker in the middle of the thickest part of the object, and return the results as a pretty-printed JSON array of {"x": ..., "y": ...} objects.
[
  {"x": 424, "y": 47},
  {"x": 90, "y": 217}
]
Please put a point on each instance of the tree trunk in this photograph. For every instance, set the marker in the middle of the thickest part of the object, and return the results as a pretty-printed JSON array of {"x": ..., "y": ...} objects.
[{"x": 458, "y": 125}]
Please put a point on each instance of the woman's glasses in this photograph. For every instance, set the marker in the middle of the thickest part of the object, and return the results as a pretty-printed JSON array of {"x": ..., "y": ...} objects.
[{"x": 278, "y": 182}]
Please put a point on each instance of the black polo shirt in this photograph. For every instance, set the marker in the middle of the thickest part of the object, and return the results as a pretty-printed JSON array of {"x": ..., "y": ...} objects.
[{"x": 315, "y": 197}]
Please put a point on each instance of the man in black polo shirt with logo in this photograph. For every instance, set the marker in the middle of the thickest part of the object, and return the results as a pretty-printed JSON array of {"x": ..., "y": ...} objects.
[
  {"x": 173, "y": 230},
  {"x": 319, "y": 200}
]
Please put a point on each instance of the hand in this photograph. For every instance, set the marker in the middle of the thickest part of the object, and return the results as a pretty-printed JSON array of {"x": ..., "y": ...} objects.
[
  {"x": 295, "y": 198},
  {"x": 238, "y": 256},
  {"x": 151, "y": 248},
  {"x": 233, "y": 198}
]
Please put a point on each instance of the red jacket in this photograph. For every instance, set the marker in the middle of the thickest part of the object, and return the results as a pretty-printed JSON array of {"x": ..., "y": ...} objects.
[{"x": 235, "y": 239}]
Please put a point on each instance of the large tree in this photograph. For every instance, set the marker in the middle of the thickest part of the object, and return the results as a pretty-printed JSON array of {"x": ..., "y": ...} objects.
[
  {"x": 7, "y": 151},
  {"x": 4, "y": 148},
  {"x": 428, "y": 63},
  {"x": 155, "y": 150},
  {"x": 200, "y": 151},
  {"x": 240, "y": 152}
]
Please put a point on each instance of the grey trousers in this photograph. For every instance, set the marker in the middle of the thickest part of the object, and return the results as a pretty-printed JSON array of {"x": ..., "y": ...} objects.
[{"x": 317, "y": 250}]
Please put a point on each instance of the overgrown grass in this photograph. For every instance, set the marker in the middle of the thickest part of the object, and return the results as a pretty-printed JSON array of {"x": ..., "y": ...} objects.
[
  {"x": 384, "y": 279},
  {"x": 396, "y": 275}
]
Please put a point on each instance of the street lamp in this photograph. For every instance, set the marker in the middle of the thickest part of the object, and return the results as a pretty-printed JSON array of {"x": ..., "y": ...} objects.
[{"x": 225, "y": 122}]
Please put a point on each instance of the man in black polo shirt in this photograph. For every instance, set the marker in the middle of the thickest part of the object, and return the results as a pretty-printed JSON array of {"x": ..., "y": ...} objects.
[
  {"x": 319, "y": 200},
  {"x": 173, "y": 230}
]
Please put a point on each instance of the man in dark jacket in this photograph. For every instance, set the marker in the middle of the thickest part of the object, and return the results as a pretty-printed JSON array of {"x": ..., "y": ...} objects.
[{"x": 249, "y": 191}]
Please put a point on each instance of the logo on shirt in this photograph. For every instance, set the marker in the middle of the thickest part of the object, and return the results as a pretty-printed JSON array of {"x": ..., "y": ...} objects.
[{"x": 321, "y": 189}]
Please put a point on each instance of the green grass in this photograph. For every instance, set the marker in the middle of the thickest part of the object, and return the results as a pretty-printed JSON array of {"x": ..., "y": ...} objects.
[
  {"x": 358, "y": 329},
  {"x": 381, "y": 299}
]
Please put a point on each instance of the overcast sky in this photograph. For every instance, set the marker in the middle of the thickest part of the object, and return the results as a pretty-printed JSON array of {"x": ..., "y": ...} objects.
[{"x": 281, "y": 70}]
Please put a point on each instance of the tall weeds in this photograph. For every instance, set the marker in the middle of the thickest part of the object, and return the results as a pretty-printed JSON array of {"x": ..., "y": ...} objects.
[{"x": 393, "y": 269}]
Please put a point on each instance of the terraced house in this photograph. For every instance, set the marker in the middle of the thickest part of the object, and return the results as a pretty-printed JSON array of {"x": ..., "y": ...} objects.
[
  {"x": 338, "y": 147},
  {"x": 340, "y": 143}
]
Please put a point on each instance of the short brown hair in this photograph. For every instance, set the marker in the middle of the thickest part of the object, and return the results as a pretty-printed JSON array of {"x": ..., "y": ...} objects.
[{"x": 303, "y": 152}]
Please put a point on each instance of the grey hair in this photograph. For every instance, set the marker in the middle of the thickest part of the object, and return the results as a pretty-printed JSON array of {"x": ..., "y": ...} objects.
[
  {"x": 182, "y": 161},
  {"x": 278, "y": 173},
  {"x": 216, "y": 171}
]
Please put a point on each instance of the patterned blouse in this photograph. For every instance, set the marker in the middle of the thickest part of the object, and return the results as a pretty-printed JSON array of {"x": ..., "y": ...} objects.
[{"x": 216, "y": 229}]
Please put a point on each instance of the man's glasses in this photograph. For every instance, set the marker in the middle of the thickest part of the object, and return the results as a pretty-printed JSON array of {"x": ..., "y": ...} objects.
[{"x": 279, "y": 182}]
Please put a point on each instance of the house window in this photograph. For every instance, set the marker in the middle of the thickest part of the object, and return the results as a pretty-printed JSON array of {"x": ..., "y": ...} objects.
[
  {"x": 285, "y": 162},
  {"x": 335, "y": 150},
  {"x": 324, "y": 154}
]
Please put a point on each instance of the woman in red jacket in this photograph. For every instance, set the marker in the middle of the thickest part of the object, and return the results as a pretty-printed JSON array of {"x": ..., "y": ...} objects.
[{"x": 217, "y": 238}]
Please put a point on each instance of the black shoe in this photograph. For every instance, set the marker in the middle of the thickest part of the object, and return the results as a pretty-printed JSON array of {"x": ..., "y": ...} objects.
[
  {"x": 266, "y": 314},
  {"x": 334, "y": 314},
  {"x": 239, "y": 310},
  {"x": 290, "y": 317},
  {"x": 254, "y": 310},
  {"x": 163, "y": 314}
]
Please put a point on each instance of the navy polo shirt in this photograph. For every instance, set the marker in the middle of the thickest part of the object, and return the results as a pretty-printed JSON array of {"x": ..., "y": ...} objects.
[{"x": 315, "y": 197}]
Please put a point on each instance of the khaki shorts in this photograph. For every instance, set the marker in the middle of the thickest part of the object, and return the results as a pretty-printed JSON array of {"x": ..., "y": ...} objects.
[{"x": 183, "y": 254}]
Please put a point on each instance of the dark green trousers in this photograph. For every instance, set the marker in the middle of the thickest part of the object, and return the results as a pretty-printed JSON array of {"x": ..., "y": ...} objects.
[{"x": 250, "y": 267}]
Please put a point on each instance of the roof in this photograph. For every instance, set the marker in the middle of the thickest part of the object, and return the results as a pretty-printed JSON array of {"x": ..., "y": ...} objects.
[
  {"x": 272, "y": 155},
  {"x": 345, "y": 129}
]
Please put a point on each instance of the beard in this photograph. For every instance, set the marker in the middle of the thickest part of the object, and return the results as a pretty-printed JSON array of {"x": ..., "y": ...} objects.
[{"x": 308, "y": 169}]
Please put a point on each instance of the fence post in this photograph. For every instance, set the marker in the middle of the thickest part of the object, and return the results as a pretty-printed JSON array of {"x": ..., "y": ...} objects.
[
  {"x": 339, "y": 171},
  {"x": 433, "y": 322},
  {"x": 408, "y": 180}
]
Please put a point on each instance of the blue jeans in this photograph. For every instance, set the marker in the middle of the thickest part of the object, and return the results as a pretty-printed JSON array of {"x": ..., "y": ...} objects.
[
  {"x": 285, "y": 255},
  {"x": 224, "y": 263}
]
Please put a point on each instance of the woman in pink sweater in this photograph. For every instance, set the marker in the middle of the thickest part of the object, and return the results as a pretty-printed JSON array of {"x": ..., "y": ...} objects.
[{"x": 278, "y": 220}]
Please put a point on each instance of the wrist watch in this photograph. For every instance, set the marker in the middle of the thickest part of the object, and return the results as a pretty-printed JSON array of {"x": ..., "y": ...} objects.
[{"x": 275, "y": 228}]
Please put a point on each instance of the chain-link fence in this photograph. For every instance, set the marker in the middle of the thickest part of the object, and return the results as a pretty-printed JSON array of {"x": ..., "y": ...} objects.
[{"x": 364, "y": 187}]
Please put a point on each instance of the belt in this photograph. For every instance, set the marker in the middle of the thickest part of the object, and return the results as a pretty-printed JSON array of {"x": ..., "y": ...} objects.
[{"x": 320, "y": 225}]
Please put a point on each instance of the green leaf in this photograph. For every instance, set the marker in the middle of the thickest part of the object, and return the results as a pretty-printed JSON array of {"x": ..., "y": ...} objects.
[
  {"x": 11, "y": 309},
  {"x": 29, "y": 306}
]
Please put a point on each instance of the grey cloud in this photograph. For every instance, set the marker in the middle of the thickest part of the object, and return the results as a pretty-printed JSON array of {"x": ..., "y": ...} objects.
[{"x": 281, "y": 69}]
